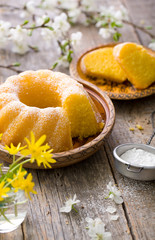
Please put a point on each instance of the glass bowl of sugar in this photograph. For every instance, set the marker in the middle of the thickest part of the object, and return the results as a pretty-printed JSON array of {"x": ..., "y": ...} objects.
[{"x": 136, "y": 161}]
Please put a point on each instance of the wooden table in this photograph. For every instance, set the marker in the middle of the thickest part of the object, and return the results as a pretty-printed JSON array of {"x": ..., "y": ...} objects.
[{"x": 89, "y": 178}]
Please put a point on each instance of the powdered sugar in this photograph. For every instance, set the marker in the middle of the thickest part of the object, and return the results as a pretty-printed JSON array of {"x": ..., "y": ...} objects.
[{"x": 139, "y": 157}]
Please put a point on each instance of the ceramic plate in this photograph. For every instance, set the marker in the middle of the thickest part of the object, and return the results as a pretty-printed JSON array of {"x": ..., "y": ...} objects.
[
  {"x": 87, "y": 147},
  {"x": 114, "y": 90}
]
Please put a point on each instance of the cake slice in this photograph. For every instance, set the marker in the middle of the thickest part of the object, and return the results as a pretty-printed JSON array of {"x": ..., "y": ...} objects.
[
  {"x": 101, "y": 63},
  {"x": 137, "y": 62}
]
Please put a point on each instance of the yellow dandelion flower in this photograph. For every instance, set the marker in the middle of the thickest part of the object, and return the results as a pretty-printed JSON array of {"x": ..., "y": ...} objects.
[
  {"x": 46, "y": 158},
  {"x": 17, "y": 179},
  {"x": 34, "y": 148},
  {"x": 14, "y": 150},
  {"x": 27, "y": 186},
  {"x": 1, "y": 134},
  {"x": 3, "y": 191}
]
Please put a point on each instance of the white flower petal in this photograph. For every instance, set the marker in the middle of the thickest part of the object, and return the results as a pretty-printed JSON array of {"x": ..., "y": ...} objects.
[
  {"x": 118, "y": 199},
  {"x": 68, "y": 204},
  {"x": 96, "y": 229},
  {"x": 75, "y": 38},
  {"x": 114, "y": 217},
  {"x": 111, "y": 209},
  {"x": 107, "y": 236},
  {"x": 66, "y": 209},
  {"x": 152, "y": 46}
]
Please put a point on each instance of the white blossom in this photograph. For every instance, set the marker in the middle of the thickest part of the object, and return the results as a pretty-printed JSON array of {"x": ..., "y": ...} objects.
[
  {"x": 49, "y": 4},
  {"x": 89, "y": 5},
  {"x": 65, "y": 44},
  {"x": 4, "y": 32},
  {"x": 152, "y": 46},
  {"x": 75, "y": 38},
  {"x": 60, "y": 24},
  {"x": 19, "y": 37},
  {"x": 69, "y": 204},
  {"x": 63, "y": 61},
  {"x": 30, "y": 7},
  {"x": 114, "y": 15},
  {"x": 41, "y": 20},
  {"x": 68, "y": 4},
  {"x": 48, "y": 35},
  {"x": 96, "y": 229},
  {"x": 114, "y": 193},
  {"x": 106, "y": 32},
  {"x": 74, "y": 14}
]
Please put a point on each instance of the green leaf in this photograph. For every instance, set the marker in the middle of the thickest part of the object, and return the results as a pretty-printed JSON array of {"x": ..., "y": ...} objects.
[
  {"x": 35, "y": 48},
  {"x": 63, "y": 47},
  {"x": 69, "y": 56},
  {"x": 104, "y": 24},
  {"x": 54, "y": 66},
  {"x": 116, "y": 36},
  {"x": 148, "y": 27},
  {"x": 47, "y": 19},
  {"x": 113, "y": 24},
  {"x": 30, "y": 33},
  {"x": 16, "y": 64},
  {"x": 25, "y": 22},
  {"x": 50, "y": 28},
  {"x": 119, "y": 25}
]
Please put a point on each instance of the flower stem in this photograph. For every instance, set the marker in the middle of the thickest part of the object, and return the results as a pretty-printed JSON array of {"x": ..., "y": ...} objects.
[
  {"x": 74, "y": 209},
  {"x": 16, "y": 210},
  {"x": 15, "y": 162},
  {"x": 2, "y": 211},
  {"x": 22, "y": 163},
  {"x": 14, "y": 158}
]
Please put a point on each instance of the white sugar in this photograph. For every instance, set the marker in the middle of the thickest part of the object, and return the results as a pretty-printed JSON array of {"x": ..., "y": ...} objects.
[{"x": 139, "y": 157}]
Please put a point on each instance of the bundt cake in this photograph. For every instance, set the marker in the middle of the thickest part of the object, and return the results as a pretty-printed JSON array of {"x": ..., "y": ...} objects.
[
  {"x": 46, "y": 102},
  {"x": 137, "y": 62},
  {"x": 101, "y": 63}
]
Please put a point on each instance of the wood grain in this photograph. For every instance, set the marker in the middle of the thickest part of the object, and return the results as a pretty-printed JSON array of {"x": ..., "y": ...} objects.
[{"x": 88, "y": 179}]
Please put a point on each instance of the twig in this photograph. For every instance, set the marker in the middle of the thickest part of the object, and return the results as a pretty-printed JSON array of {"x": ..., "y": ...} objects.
[
  {"x": 140, "y": 28},
  {"x": 10, "y": 6},
  {"x": 10, "y": 67}
]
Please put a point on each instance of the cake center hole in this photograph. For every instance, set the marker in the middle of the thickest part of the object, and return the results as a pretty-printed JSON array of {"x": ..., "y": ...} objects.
[{"x": 41, "y": 97}]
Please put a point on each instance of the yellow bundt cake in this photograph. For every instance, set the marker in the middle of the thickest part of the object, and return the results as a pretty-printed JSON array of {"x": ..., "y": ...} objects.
[
  {"x": 137, "y": 62},
  {"x": 46, "y": 102},
  {"x": 101, "y": 63}
]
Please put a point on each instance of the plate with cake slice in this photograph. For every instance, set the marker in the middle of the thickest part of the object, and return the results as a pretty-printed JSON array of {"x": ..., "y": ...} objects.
[{"x": 124, "y": 71}]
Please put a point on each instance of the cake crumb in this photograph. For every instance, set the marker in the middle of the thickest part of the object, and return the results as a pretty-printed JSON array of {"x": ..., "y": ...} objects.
[{"x": 139, "y": 127}]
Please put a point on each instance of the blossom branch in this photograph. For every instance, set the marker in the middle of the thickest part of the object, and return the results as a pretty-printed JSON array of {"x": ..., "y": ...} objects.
[
  {"x": 107, "y": 19},
  {"x": 11, "y": 67},
  {"x": 10, "y": 7},
  {"x": 140, "y": 28}
]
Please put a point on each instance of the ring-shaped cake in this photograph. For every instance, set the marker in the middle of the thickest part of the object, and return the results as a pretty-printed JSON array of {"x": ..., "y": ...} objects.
[{"x": 49, "y": 103}]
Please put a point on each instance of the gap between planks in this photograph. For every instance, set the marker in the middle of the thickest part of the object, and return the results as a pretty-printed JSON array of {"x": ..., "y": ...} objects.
[{"x": 123, "y": 205}]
